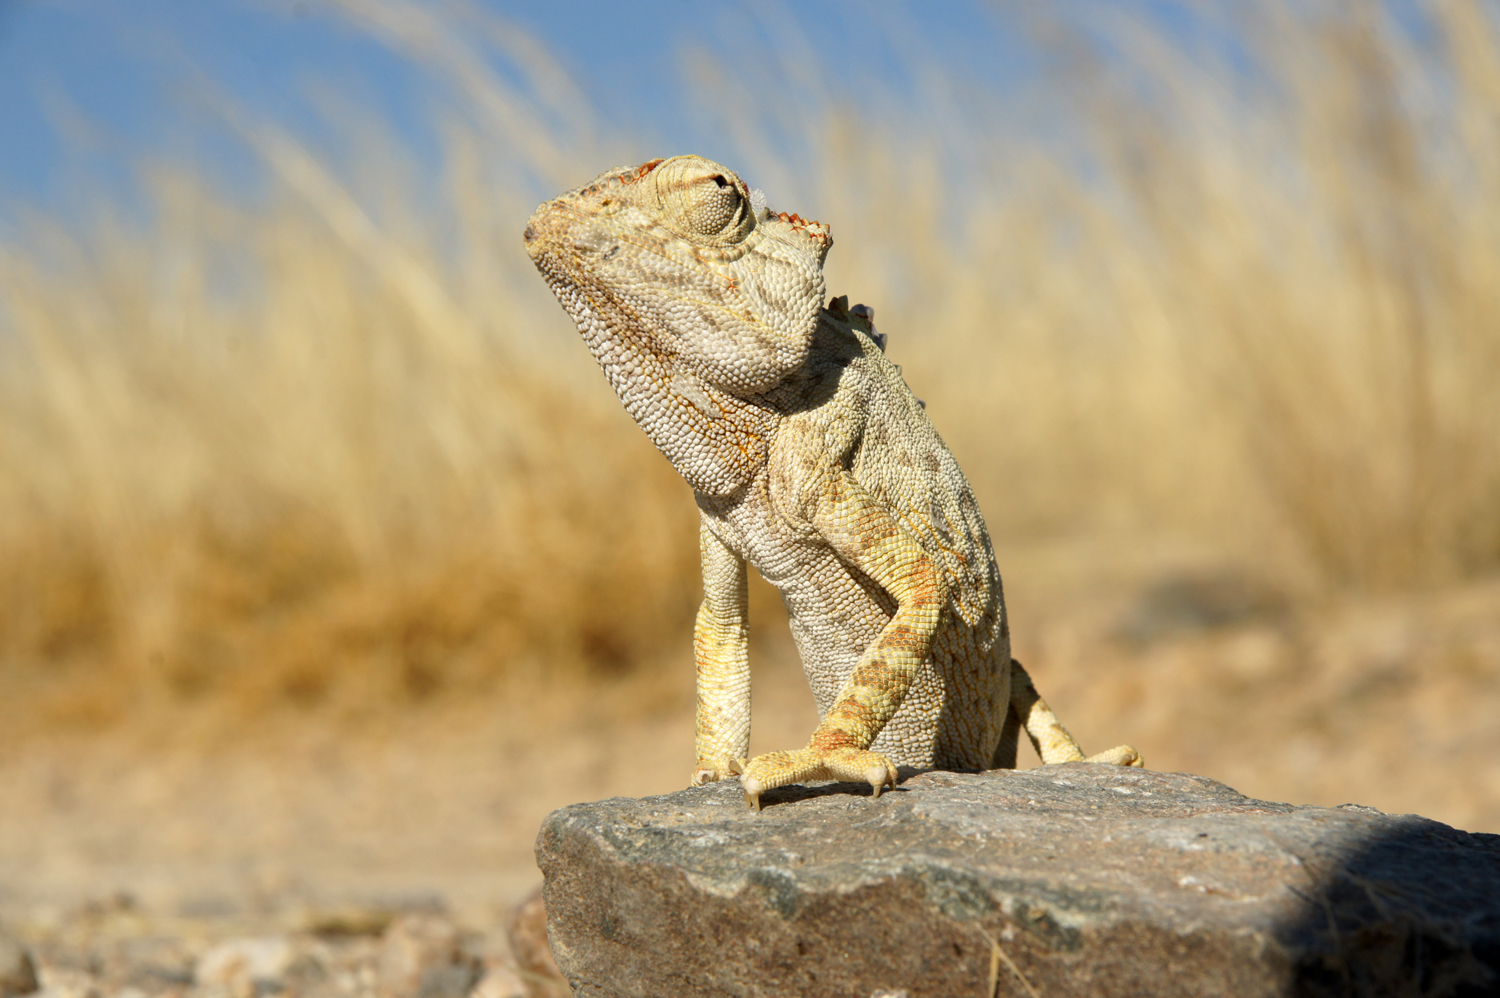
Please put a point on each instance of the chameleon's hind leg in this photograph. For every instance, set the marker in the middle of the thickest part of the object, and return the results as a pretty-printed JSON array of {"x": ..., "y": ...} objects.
[
  {"x": 1010, "y": 737},
  {"x": 1052, "y": 742}
]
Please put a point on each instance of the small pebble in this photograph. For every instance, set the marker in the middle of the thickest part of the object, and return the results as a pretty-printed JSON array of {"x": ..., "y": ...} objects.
[
  {"x": 246, "y": 965},
  {"x": 499, "y": 982},
  {"x": 17, "y": 972},
  {"x": 415, "y": 954}
]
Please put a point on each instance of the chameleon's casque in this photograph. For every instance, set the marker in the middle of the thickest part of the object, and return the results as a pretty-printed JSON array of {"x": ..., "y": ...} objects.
[{"x": 811, "y": 460}]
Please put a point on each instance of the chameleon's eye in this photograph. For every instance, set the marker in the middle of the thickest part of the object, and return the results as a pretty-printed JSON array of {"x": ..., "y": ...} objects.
[
  {"x": 711, "y": 205},
  {"x": 701, "y": 198}
]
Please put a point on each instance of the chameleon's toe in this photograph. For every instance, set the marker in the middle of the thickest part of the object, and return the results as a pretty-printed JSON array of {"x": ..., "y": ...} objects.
[
  {"x": 777, "y": 769},
  {"x": 1120, "y": 755},
  {"x": 714, "y": 770},
  {"x": 861, "y": 765},
  {"x": 766, "y": 772}
]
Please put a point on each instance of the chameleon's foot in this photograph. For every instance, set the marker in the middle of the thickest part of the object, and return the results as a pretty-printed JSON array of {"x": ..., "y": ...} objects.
[
  {"x": 1120, "y": 755},
  {"x": 777, "y": 769},
  {"x": 713, "y": 770}
]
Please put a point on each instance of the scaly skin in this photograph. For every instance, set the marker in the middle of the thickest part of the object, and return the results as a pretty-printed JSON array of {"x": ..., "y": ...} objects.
[{"x": 811, "y": 460}]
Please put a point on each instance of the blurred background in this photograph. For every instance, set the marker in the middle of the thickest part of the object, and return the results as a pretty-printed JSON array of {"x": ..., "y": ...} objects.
[{"x": 329, "y": 564}]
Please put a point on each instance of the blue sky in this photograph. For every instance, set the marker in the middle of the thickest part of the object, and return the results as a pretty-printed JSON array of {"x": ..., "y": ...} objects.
[{"x": 90, "y": 87}]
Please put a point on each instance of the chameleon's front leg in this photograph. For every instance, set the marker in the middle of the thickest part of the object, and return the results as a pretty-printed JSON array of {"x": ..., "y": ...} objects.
[
  {"x": 866, "y": 536},
  {"x": 721, "y": 649}
]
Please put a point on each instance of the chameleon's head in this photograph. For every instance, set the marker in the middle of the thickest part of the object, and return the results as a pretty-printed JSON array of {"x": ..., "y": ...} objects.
[{"x": 674, "y": 259}]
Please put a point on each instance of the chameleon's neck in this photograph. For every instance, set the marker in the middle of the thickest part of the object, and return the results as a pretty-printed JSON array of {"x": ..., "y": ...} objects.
[{"x": 716, "y": 441}]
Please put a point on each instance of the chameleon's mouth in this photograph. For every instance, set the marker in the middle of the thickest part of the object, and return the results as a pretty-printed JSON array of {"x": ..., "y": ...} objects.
[{"x": 545, "y": 229}]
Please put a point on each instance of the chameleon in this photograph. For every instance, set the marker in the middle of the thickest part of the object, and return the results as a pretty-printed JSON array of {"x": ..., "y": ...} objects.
[{"x": 810, "y": 459}]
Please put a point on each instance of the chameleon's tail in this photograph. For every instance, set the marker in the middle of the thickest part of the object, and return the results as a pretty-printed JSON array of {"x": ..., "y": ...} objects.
[{"x": 1051, "y": 740}]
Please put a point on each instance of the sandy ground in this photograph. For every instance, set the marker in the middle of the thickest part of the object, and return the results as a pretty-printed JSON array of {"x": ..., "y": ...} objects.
[
  {"x": 437, "y": 810},
  {"x": 1389, "y": 702}
]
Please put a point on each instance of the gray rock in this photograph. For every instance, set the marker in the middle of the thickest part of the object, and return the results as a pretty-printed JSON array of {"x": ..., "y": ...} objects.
[
  {"x": 1072, "y": 880},
  {"x": 17, "y": 972}
]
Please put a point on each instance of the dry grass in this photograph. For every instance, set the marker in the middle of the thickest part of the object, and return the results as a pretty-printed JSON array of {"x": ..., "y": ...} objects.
[{"x": 338, "y": 450}]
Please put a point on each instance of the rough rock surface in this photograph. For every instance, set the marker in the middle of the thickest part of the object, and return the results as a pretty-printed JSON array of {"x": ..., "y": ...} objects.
[{"x": 1071, "y": 880}]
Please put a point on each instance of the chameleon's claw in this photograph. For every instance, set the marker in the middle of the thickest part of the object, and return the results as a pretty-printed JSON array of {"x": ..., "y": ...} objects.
[
  {"x": 753, "y": 789},
  {"x": 880, "y": 777}
]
